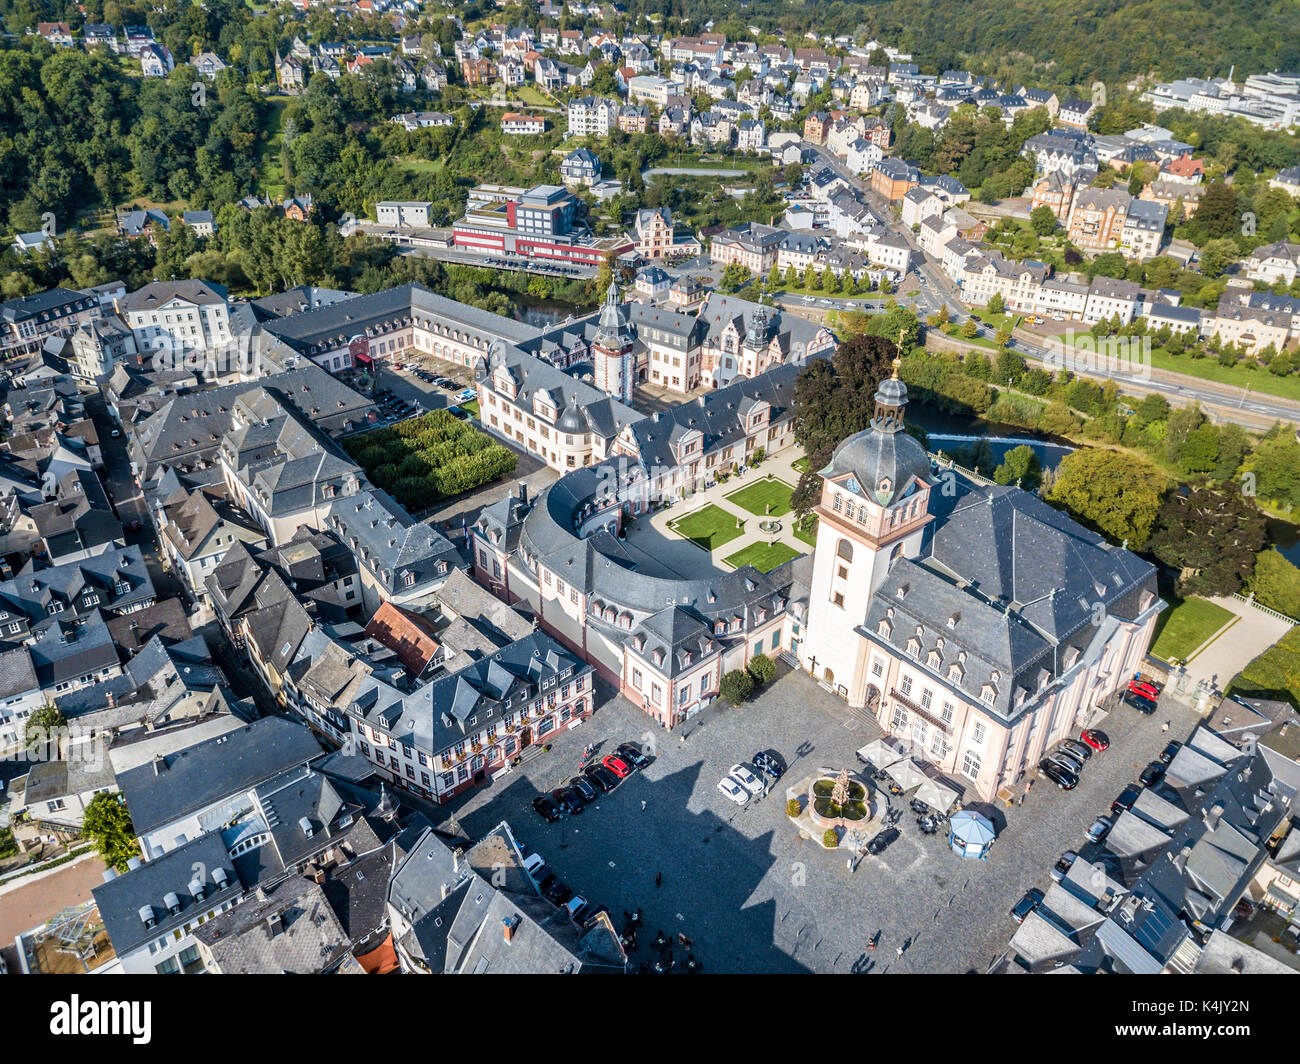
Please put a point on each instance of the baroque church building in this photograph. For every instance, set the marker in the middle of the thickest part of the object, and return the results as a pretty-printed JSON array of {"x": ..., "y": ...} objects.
[{"x": 972, "y": 621}]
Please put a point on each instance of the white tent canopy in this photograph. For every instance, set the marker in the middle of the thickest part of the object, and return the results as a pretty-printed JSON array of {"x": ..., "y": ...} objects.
[
  {"x": 880, "y": 754},
  {"x": 906, "y": 774},
  {"x": 936, "y": 796}
]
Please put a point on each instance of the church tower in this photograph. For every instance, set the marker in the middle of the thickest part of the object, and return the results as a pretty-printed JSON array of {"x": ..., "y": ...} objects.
[
  {"x": 873, "y": 509},
  {"x": 615, "y": 367}
]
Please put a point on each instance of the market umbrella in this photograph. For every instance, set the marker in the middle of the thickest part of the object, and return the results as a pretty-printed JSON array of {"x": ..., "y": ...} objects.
[
  {"x": 880, "y": 753},
  {"x": 936, "y": 796},
  {"x": 906, "y": 774}
]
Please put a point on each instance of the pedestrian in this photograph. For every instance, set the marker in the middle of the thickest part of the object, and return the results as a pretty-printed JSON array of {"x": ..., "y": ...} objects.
[
  {"x": 643, "y": 805},
  {"x": 659, "y": 879},
  {"x": 1021, "y": 800},
  {"x": 900, "y": 951},
  {"x": 637, "y": 916},
  {"x": 872, "y": 944}
]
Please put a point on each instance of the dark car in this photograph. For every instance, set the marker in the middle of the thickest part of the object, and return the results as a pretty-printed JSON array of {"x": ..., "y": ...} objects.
[
  {"x": 543, "y": 877},
  {"x": 546, "y": 808},
  {"x": 766, "y": 761},
  {"x": 1032, "y": 899},
  {"x": 1126, "y": 799},
  {"x": 1059, "y": 774},
  {"x": 567, "y": 800},
  {"x": 1082, "y": 751},
  {"x": 1153, "y": 773},
  {"x": 1063, "y": 865},
  {"x": 558, "y": 893},
  {"x": 1065, "y": 757},
  {"x": 1100, "y": 829},
  {"x": 585, "y": 790},
  {"x": 602, "y": 778},
  {"x": 877, "y": 845},
  {"x": 1168, "y": 753},
  {"x": 632, "y": 755},
  {"x": 1139, "y": 702}
]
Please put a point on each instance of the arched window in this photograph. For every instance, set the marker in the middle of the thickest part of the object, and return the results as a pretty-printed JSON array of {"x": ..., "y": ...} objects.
[{"x": 845, "y": 550}]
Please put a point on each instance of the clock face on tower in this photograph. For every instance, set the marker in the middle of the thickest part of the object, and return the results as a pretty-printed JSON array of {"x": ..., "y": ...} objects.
[{"x": 852, "y": 485}]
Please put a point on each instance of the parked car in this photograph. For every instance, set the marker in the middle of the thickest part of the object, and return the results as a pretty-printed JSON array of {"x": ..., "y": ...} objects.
[
  {"x": 558, "y": 892},
  {"x": 1100, "y": 828},
  {"x": 1080, "y": 750},
  {"x": 1146, "y": 690},
  {"x": 1064, "y": 757},
  {"x": 1170, "y": 751},
  {"x": 546, "y": 808},
  {"x": 1152, "y": 774},
  {"x": 575, "y": 906},
  {"x": 567, "y": 800},
  {"x": 733, "y": 790},
  {"x": 747, "y": 779},
  {"x": 539, "y": 871},
  {"x": 617, "y": 765},
  {"x": 1139, "y": 702},
  {"x": 1127, "y": 797},
  {"x": 767, "y": 761},
  {"x": 1032, "y": 899},
  {"x": 1063, "y": 864},
  {"x": 584, "y": 788},
  {"x": 1059, "y": 774},
  {"x": 632, "y": 755},
  {"x": 602, "y": 778},
  {"x": 1098, "y": 740},
  {"x": 881, "y": 841}
]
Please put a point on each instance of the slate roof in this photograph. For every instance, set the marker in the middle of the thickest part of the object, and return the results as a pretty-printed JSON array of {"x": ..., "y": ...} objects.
[
  {"x": 329, "y": 326},
  {"x": 191, "y": 779},
  {"x": 121, "y": 899},
  {"x": 305, "y": 938}
]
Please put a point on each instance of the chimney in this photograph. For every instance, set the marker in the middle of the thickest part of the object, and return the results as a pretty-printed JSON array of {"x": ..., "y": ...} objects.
[
  {"x": 523, "y": 492},
  {"x": 1212, "y": 816},
  {"x": 273, "y": 925},
  {"x": 508, "y": 925},
  {"x": 159, "y": 765}
]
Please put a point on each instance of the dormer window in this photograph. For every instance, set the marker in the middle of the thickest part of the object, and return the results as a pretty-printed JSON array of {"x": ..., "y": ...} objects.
[
  {"x": 952, "y": 621},
  {"x": 955, "y": 675},
  {"x": 914, "y": 647},
  {"x": 934, "y": 659}
]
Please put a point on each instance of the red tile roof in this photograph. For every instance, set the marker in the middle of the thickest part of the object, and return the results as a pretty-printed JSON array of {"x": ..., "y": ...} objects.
[{"x": 407, "y": 635}]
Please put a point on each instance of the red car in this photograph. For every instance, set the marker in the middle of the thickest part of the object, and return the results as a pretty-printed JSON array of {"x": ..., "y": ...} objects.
[
  {"x": 1094, "y": 738},
  {"x": 1146, "y": 690},
  {"x": 617, "y": 766}
]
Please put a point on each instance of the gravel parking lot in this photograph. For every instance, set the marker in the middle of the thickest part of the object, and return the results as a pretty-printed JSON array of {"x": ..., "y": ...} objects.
[{"x": 739, "y": 882}]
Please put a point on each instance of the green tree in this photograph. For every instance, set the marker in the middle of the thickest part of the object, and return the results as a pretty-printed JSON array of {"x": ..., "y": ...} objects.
[
  {"x": 1043, "y": 220},
  {"x": 1218, "y": 255},
  {"x": 736, "y": 686},
  {"x": 108, "y": 824},
  {"x": 1021, "y": 466},
  {"x": 1275, "y": 583},
  {"x": 762, "y": 669},
  {"x": 1115, "y": 493},
  {"x": 44, "y": 727},
  {"x": 996, "y": 304},
  {"x": 1210, "y": 533}
]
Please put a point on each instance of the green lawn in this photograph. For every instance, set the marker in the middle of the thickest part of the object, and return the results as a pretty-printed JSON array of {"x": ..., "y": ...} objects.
[
  {"x": 471, "y": 407},
  {"x": 763, "y": 556},
  {"x": 709, "y": 527},
  {"x": 768, "y": 497},
  {"x": 806, "y": 530},
  {"x": 1184, "y": 627},
  {"x": 533, "y": 96},
  {"x": 801, "y": 464},
  {"x": 271, "y": 179}
]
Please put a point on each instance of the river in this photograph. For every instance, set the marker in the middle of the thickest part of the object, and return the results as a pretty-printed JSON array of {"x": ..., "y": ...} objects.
[{"x": 950, "y": 433}]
